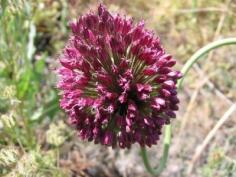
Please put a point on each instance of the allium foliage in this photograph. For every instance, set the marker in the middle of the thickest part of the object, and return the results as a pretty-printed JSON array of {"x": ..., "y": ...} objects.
[{"x": 118, "y": 85}]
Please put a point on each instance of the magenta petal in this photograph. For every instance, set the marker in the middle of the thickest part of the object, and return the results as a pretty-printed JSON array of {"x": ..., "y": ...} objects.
[
  {"x": 150, "y": 71},
  {"x": 117, "y": 83}
]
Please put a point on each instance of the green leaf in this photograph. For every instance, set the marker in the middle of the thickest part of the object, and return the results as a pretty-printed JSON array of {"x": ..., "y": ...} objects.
[{"x": 24, "y": 83}]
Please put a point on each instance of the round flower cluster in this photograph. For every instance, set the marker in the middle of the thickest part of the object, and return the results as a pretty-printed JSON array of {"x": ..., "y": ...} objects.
[{"x": 118, "y": 85}]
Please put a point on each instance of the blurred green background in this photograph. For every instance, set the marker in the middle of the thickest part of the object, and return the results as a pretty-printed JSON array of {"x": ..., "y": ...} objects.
[{"x": 35, "y": 139}]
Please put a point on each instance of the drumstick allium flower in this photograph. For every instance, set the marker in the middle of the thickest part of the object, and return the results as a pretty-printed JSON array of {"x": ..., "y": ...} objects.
[{"x": 118, "y": 85}]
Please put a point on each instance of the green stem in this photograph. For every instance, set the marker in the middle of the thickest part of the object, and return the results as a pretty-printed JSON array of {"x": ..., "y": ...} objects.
[
  {"x": 164, "y": 157},
  {"x": 194, "y": 6},
  {"x": 203, "y": 51},
  {"x": 167, "y": 137}
]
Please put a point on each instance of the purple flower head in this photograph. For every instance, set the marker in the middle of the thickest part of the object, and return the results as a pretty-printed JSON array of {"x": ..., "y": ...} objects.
[{"x": 118, "y": 85}]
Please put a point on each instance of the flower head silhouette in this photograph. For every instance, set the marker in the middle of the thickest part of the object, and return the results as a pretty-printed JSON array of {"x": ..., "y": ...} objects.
[{"x": 118, "y": 85}]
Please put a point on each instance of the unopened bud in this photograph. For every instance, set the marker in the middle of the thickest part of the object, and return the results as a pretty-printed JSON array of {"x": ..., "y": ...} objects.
[
  {"x": 8, "y": 121},
  {"x": 56, "y": 135},
  {"x": 8, "y": 156},
  {"x": 9, "y": 92}
]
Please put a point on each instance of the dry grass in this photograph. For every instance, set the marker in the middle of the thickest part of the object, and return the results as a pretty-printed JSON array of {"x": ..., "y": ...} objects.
[{"x": 209, "y": 90}]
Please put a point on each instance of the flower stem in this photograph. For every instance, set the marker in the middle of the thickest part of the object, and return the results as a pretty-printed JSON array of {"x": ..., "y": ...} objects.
[
  {"x": 203, "y": 51},
  {"x": 167, "y": 137},
  {"x": 164, "y": 158}
]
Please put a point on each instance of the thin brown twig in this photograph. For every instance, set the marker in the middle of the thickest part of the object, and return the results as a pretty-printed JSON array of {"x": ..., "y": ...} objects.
[
  {"x": 211, "y": 85},
  {"x": 219, "y": 28},
  {"x": 191, "y": 105},
  {"x": 199, "y": 10},
  {"x": 209, "y": 137}
]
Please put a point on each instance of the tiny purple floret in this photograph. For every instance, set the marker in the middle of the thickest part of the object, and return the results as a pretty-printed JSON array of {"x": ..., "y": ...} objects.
[{"x": 117, "y": 83}]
